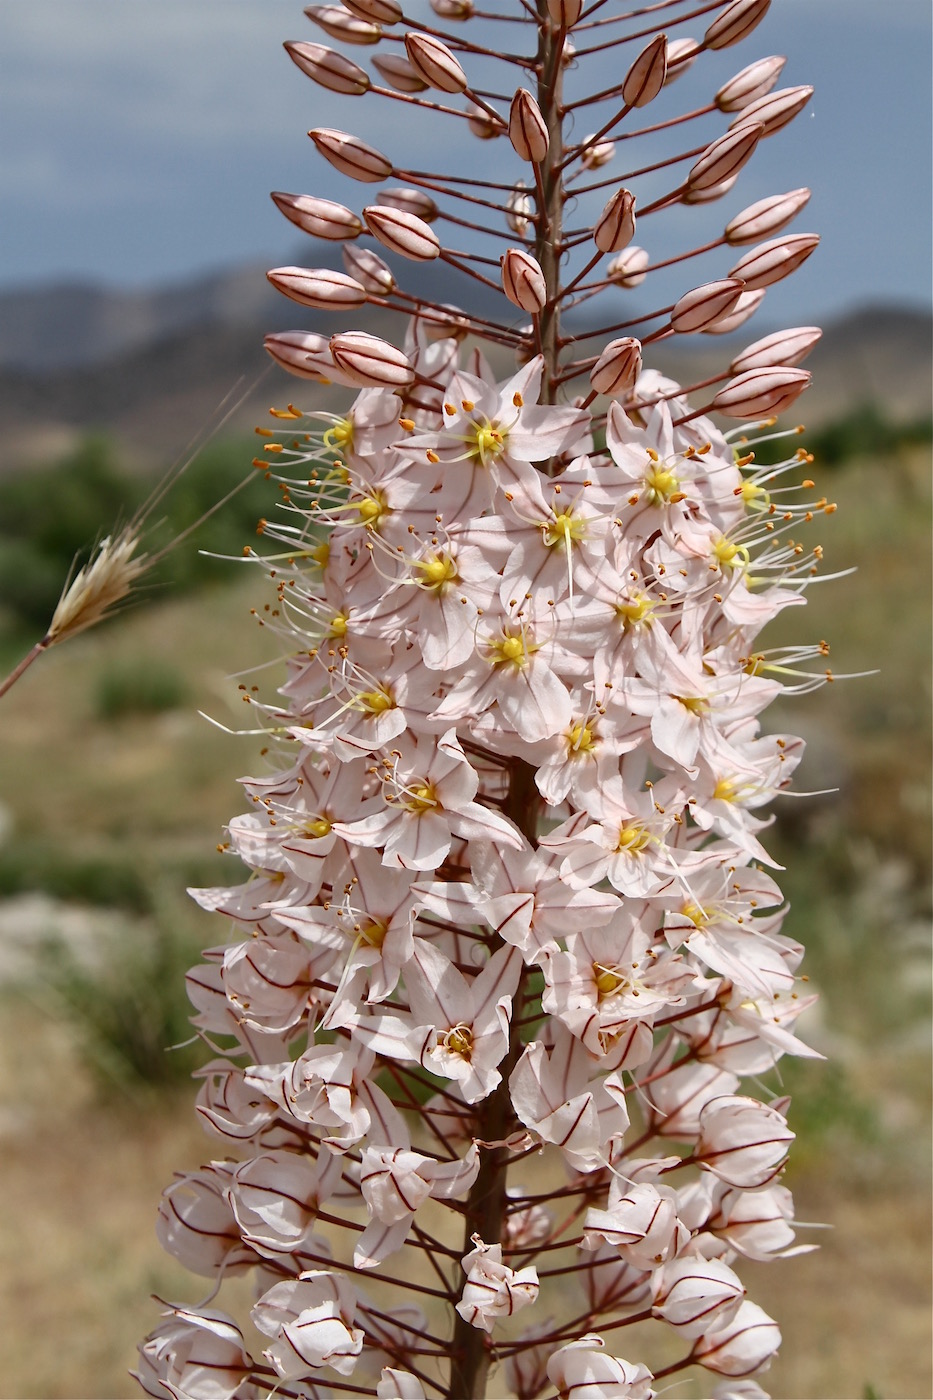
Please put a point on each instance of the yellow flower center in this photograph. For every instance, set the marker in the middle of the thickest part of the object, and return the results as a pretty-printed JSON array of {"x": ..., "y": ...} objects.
[
  {"x": 321, "y": 554},
  {"x": 634, "y": 610},
  {"x": 695, "y": 704},
  {"x": 420, "y": 798},
  {"x": 580, "y": 739},
  {"x": 728, "y": 555},
  {"x": 317, "y": 828},
  {"x": 373, "y": 932},
  {"x": 339, "y": 438},
  {"x": 633, "y": 839},
  {"x": 372, "y": 509},
  {"x": 660, "y": 485},
  {"x": 754, "y": 497},
  {"x": 436, "y": 571},
  {"x": 375, "y": 702},
  {"x": 608, "y": 980},
  {"x": 458, "y": 1040},
  {"x": 338, "y": 625},
  {"x": 695, "y": 914},
  {"x": 488, "y": 442},
  {"x": 725, "y": 790},
  {"x": 565, "y": 529},
  {"x": 510, "y": 649}
]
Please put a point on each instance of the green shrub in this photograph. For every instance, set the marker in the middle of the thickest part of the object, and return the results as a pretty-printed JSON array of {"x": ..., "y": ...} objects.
[{"x": 143, "y": 686}]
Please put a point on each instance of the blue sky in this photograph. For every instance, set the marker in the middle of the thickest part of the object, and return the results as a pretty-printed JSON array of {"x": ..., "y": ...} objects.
[{"x": 140, "y": 140}]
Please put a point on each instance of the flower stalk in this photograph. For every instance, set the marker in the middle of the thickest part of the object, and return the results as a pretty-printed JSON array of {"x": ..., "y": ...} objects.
[{"x": 508, "y": 969}]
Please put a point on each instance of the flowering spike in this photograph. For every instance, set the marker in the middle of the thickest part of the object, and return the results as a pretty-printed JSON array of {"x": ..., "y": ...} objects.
[{"x": 510, "y": 908}]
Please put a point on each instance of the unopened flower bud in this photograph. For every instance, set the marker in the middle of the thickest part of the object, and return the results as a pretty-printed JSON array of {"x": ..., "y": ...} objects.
[
  {"x": 742, "y": 1141},
  {"x": 739, "y": 19},
  {"x": 708, "y": 195},
  {"x": 757, "y": 394},
  {"x": 399, "y": 1385},
  {"x": 481, "y": 124},
  {"x": 775, "y": 109},
  {"x": 628, "y": 269},
  {"x": 593, "y": 154},
  {"x": 704, "y": 306},
  {"x": 681, "y": 55},
  {"x": 617, "y": 368},
  {"x": 370, "y": 362},
  {"x": 695, "y": 1294},
  {"x": 518, "y": 209},
  {"x": 350, "y": 155},
  {"x": 615, "y": 227},
  {"x": 724, "y": 157},
  {"x": 580, "y": 1370},
  {"x": 765, "y": 216},
  {"x": 321, "y": 218},
  {"x": 434, "y": 62},
  {"x": 523, "y": 281},
  {"x": 336, "y": 22},
  {"x": 645, "y": 79},
  {"x": 778, "y": 258},
  {"x": 402, "y": 232},
  {"x": 382, "y": 11},
  {"x": 398, "y": 73},
  {"x": 527, "y": 128},
  {"x": 304, "y": 354},
  {"x": 742, "y": 1346},
  {"x": 751, "y": 83},
  {"x": 412, "y": 201},
  {"x": 746, "y": 306},
  {"x": 782, "y": 348},
  {"x": 319, "y": 287},
  {"x": 564, "y": 13},
  {"x": 329, "y": 68},
  {"x": 369, "y": 270},
  {"x": 453, "y": 9}
]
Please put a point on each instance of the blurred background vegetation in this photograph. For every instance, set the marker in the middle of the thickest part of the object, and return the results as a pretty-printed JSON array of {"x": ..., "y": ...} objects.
[{"x": 114, "y": 788}]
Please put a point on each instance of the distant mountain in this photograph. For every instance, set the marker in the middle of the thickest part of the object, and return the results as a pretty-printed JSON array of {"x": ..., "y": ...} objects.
[{"x": 155, "y": 369}]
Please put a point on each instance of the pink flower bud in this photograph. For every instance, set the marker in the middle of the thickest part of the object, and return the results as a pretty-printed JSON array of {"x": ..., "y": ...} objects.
[
  {"x": 751, "y": 83},
  {"x": 434, "y": 62},
  {"x": 774, "y": 110},
  {"x": 481, "y": 124},
  {"x": 617, "y": 368},
  {"x": 713, "y": 192},
  {"x": 564, "y": 13},
  {"x": 742, "y": 1141},
  {"x": 695, "y": 1295},
  {"x": 704, "y": 306},
  {"x": 518, "y": 209},
  {"x": 336, "y": 22},
  {"x": 597, "y": 154},
  {"x": 770, "y": 262},
  {"x": 412, "y": 201},
  {"x": 402, "y": 233},
  {"x": 350, "y": 155},
  {"x": 681, "y": 55},
  {"x": 580, "y": 1370},
  {"x": 329, "y": 68},
  {"x": 304, "y": 354},
  {"x": 746, "y": 306},
  {"x": 321, "y": 218},
  {"x": 739, "y": 19},
  {"x": 765, "y": 216},
  {"x": 760, "y": 392},
  {"x": 382, "y": 11},
  {"x": 615, "y": 227},
  {"x": 370, "y": 362},
  {"x": 523, "y": 281},
  {"x": 398, "y": 73},
  {"x": 320, "y": 287},
  {"x": 628, "y": 269},
  {"x": 369, "y": 270},
  {"x": 527, "y": 128},
  {"x": 742, "y": 1346},
  {"x": 453, "y": 9},
  {"x": 645, "y": 79},
  {"x": 724, "y": 157},
  {"x": 783, "y": 348}
]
